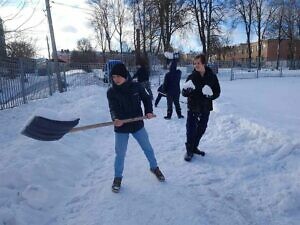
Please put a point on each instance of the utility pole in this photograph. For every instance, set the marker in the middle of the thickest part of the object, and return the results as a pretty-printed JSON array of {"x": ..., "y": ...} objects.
[
  {"x": 54, "y": 51},
  {"x": 48, "y": 47}
]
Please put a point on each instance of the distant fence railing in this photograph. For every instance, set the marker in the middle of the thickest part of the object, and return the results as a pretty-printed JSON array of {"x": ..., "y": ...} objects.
[
  {"x": 233, "y": 70},
  {"x": 229, "y": 70},
  {"x": 23, "y": 80}
]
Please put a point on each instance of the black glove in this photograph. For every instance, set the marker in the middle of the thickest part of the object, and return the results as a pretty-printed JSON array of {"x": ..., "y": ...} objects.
[
  {"x": 210, "y": 97},
  {"x": 187, "y": 92}
]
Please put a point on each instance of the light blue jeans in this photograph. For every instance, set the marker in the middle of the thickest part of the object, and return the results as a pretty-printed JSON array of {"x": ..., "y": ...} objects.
[{"x": 121, "y": 142}]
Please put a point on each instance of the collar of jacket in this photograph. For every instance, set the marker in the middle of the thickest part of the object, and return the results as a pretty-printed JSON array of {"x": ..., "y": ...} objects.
[
  {"x": 124, "y": 88},
  {"x": 207, "y": 71}
]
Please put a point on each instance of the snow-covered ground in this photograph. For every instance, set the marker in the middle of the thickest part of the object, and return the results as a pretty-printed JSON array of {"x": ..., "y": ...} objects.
[{"x": 250, "y": 174}]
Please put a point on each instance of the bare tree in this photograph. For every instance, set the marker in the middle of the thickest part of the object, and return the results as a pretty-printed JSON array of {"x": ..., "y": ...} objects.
[
  {"x": 147, "y": 19},
  {"x": 209, "y": 15},
  {"x": 289, "y": 28},
  {"x": 172, "y": 17},
  {"x": 264, "y": 9},
  {"x": 119, "y": 16},
  {"x": 21, "y": 48},
  {"x": 104, "y": 15},
  {"x": 100, "y": 36},
  {"x": 84, "y": 45},
  {"x": 243, "y": 11},
  {"x": 84, "y": 56},
  {"x": 275, "y": 30},
  {"x": 220, "y": 46}
]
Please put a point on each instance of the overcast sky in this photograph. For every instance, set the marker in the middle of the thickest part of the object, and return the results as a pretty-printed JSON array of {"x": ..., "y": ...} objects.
[{"x": 71, "y": 22}]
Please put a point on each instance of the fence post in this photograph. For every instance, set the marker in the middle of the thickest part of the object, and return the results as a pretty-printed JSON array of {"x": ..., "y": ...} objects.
[
  {"x": 22, "y": 80},
  {"x": 49, "y": 78},
  {"x": 65, "y": 78},
  {"x": 231, "y": 71}
]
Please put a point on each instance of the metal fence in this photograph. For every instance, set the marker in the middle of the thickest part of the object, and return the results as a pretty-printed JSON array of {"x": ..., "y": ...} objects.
[
  {"x": 20, "y": 84},
  {"x": 233, "y": 70},
  {"x": 229, "y": 70},
  {"x": 23, "y": 80}
]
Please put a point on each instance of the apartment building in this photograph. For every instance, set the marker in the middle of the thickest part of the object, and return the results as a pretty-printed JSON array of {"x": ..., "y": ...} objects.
[{"x": 268, "y": 54}]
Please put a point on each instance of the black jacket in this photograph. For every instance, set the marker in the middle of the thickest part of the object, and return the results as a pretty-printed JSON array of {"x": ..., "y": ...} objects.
[
  {"x": 172, "y": 80},
  {"x": 197, "y": 101},
  {"x": 142, "y": 74},
  {"x": 125, "y": 103}
]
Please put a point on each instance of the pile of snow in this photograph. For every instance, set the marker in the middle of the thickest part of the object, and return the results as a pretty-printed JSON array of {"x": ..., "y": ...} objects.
[{"x": 188, "y": 84}]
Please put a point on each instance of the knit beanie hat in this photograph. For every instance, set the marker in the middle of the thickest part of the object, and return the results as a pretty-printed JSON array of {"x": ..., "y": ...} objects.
[{"x": 119, "y": 69}]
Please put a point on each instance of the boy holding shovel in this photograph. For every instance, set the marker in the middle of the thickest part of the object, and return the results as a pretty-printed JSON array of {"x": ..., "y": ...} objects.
[{"x": 124, "y": 98}]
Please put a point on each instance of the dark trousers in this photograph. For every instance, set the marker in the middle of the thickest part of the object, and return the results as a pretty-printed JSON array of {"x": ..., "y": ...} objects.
[
  {"x": 158, "y": 98},
  {"x": 196, "y": 124},
  {"x": 173, "y": 99}
]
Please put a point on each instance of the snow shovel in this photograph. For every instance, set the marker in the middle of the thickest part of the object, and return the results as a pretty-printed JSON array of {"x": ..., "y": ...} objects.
[{"x": 44, "y": 129}]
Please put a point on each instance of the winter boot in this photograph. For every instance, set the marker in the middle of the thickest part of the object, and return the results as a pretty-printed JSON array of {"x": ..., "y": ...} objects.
[
  {"x": 198, "y": 152},
  {"x": 156, "y": 171},
  {"x": 189, "y": 152},
  {"x": 116, "y": 184},
  {"x": 169, "y": 115},
  {"x": 179, "y": 115}
]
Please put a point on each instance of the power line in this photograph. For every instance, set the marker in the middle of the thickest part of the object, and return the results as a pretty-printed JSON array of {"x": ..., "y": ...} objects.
[
  {"x": 72, "y": 6},
  {"x": 27, "y": 28},
  {"x": 33, "y": 12},
  {"x": 21, "y": 6}
]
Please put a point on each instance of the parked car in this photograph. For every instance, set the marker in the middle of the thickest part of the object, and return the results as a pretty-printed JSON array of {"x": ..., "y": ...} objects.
[
  {"x": 214, "y": 67},
  {"x": 107, "y": 68}
]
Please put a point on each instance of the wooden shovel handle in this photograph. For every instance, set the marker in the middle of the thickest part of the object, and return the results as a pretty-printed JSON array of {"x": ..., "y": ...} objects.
[{"x": 107, "y": 124}]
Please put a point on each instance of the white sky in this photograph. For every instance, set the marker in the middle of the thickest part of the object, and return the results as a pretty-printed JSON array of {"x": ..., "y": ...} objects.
[{"x": 71, "y": 24}]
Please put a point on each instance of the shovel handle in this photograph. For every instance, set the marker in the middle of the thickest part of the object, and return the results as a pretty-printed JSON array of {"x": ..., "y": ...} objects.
[{"x": 87, "y": 127}]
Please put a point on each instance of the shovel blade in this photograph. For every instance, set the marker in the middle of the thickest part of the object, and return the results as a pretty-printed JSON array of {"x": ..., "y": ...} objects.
[{"x": 44, "y": 129}]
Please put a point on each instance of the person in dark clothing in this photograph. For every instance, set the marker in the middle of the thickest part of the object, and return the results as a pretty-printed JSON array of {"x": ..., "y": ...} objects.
[
  {"x": 142, "y": 75},
  {"x": 161, "y": 93},
  {"x": 199, "y": 104},
  {"x": 124, "y": 98},
  {"x": 172, "y": 88}
]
